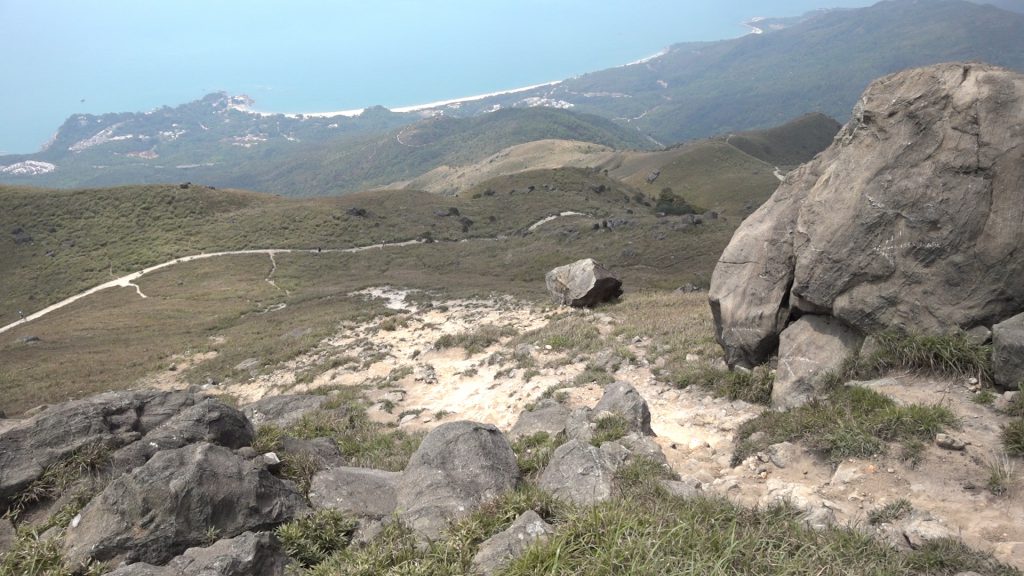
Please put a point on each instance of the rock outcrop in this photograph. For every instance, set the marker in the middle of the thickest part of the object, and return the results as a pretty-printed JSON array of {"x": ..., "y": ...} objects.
[
  {"x": 497, "y": 551},
  {"x": 910, "y": 221},
  {"x": 249, "y": 554},
  {"x": 458, "y": 466},
  {"x": 1008, "y": 352},
  {"x": 583, "y": 284},
  {"x": 175, "y": 501},
  {"x": 112, "y": 420},
  {"x": 808, "y": 349}
]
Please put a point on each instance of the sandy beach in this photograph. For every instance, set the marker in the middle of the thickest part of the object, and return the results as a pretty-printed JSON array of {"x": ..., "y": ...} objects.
[{"x": 413, "y": 108}]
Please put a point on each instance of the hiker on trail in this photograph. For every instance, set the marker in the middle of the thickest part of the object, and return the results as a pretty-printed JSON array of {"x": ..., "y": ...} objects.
[{"x": 21, "y": 314}]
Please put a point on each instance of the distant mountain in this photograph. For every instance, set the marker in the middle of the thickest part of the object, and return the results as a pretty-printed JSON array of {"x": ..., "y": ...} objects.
[
  {"x": 820, "y": 62},
  {"x": 218, "y": 141},
  {"x": 816, "y": 63}
]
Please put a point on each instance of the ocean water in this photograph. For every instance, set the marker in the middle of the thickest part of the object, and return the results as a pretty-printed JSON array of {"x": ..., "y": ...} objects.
[{"x": 68, "y": 56}]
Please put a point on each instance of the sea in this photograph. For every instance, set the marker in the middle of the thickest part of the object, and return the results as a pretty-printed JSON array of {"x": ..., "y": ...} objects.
[{"x": 65, "y": 57}]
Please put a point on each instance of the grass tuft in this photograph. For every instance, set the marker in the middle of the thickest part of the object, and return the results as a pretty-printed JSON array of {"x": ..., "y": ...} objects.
[
  {"x": 310, "y": 540},
  {"x": 475, "y": 341},
  {"x": 851, "y": 422},
  {"x": 1013, "y": 437},
  {"x": 609, "y": 428},
  {"x": 891, "y": 512},
  {"x": 534, "y": 452}
]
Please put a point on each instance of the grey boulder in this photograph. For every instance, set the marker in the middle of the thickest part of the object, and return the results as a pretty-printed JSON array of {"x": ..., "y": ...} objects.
[
  {"x": 584, "y": 283},
  {"x": 174, "y": 501},
  {"x": 1008, "y": 352},
  {"x": 361, "y": 492},
  {"x": 282, "y": 410},
  {"x": 497, "y": 551},
  {"x": 249, "y": 554},
  {"x": 209, "y": 421},
  {"x": 621, "y": 399},
  {"x": 910, "y": 221},
  {"x": 808, "y": 349},
  {"x": 581, "y": 473},
  {"x": 458, "y": 466},
  {"x": 549, "y": 416}
]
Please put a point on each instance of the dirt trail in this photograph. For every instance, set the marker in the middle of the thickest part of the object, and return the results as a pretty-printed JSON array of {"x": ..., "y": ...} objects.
[
  {"x": 128, "y": 280},
  {"x": 418, "y": 387}
]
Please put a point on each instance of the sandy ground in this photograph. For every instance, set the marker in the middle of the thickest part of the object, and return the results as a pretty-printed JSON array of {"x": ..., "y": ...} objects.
[{"x": 418, "y": 387}]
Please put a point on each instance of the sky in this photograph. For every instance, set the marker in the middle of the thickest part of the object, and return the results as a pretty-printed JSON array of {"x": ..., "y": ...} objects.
[{"x": 62, "y": 57}]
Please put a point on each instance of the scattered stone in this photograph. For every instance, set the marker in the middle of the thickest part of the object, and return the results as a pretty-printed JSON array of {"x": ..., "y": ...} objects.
[
  {"x": 621, "y": 399},
  {"x": 458, "y": 466},
  {"x": 783, "y": 454},
  {"x": 845, "y": 473},
  {"x": 496, "y": 552},
  {"x": 683, "y": 488},
  {"x": 809, "y": 348},
  {"x": 584, "y": 283},
  {"x": 549, "y": 416},
  {"x": 948, "y": 442},
  {"x": 172, "y": 502},
  {"x": 580, "y": 473},
  {"x": 361, "y": 492},
  {"x": 282, "y": 410},
  {"x": 920, "y": 532}
]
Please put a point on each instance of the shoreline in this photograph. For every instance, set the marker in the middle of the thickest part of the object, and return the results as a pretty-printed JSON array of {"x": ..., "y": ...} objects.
[{"x": 402, "y": 109}]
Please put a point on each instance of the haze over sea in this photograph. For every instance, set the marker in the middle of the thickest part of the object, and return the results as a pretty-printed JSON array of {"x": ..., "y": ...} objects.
[{"x": 68, "y": 56}]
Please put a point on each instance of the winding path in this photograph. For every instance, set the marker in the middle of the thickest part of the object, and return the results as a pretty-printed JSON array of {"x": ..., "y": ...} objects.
[{"x": 129, "y": 279}]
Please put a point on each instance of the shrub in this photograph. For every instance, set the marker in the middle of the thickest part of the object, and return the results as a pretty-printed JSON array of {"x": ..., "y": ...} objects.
[{"x": 310, "y": 540}]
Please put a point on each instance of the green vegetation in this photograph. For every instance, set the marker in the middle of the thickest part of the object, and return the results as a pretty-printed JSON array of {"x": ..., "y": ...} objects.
[
  {"x": 475, "y": 341},
  {"x": 850, "y": 422},
  {"x": 609, "y": 428},
  {"x": 891, "y": 512},
  {"x": 362, "y": 442},
  {"x": 396, "y": 550},
  {"x": 754, "y": 386},
  {"x": 953, "y": 356},
  {"x": 56, "y": 478},
  {"x": 310, "y": 540},
  {"x": 534, "y": 452},
  {"x": 1013, "y": 437}
]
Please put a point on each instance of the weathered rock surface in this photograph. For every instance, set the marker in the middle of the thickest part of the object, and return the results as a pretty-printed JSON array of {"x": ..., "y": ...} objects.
[
  {"x": 808, "y": 348},
  {"x": 584, "y": 283},
  {"x": 496, "y": 552},
  {"x": 171, "y": 502},
  {"x": 282, "y": 410},
  {"x": 549, "y": 416},
  {"x": 7, "y": 535},
  {"x": 358, "y": 491},
  {"x": 911, "y": 220},
  {"x": 1008, "y": 352},
  {"x": 458, "y": 466},
  {"x": 113, "y": 419},
  {"x": 581, "y": 473},
  {"x": 621, "y": 399},
  {"x": 208, "y": 421},
  {"x": 248, "y": 554}
]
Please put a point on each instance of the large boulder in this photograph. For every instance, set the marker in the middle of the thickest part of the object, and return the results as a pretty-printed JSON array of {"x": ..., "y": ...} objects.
[
  {"x": 175, "y": 501},
  {"x": 910, "y": 221},
  {"x": 458, "y": 466},
  {"x": 113, "y": 419},
  {"x": 583, "y": 284},
  {"x": 808, "y": 349},
  {"x": 249, "y": 554},
  {"x": 1008, "y": 352}
]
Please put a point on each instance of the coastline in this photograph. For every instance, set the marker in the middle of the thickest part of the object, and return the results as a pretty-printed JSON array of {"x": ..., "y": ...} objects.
[{"x": 412, "y": 108}]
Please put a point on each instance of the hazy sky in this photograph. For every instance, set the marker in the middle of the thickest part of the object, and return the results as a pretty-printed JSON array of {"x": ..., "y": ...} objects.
[{"x": 66, "y": 56}]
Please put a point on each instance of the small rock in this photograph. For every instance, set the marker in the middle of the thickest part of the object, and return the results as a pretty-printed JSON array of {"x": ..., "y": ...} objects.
[
  {"x": 948, "y": 442},
  {"x": 7, "y": 535},
  {"x": 920, "y": 532},
  {"x": 496, "y": 552}
]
